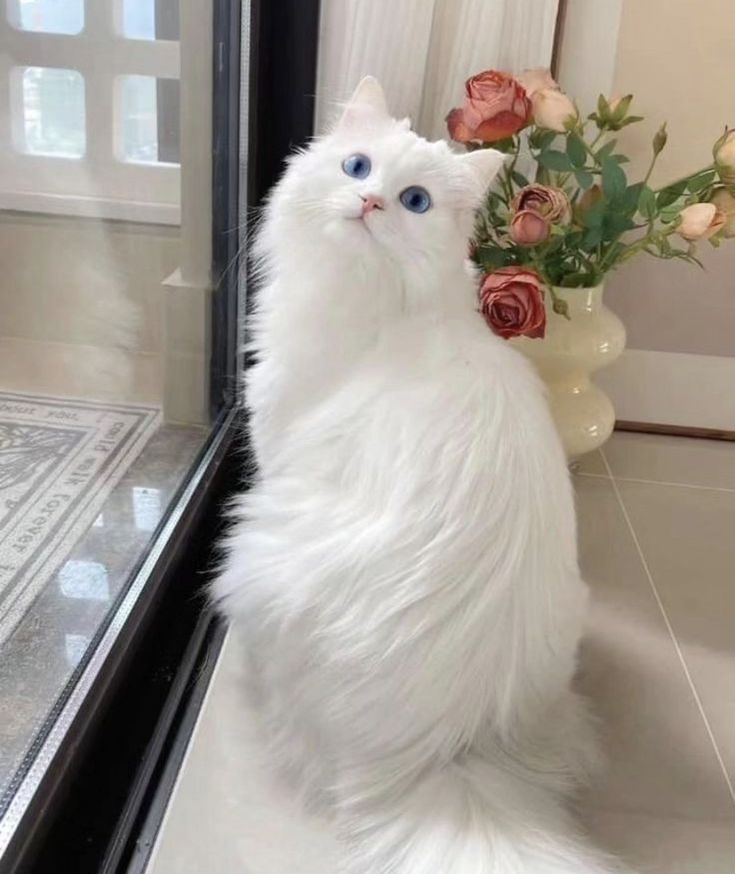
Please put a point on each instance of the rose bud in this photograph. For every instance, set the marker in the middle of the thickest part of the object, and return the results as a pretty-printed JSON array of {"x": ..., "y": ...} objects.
[
  {"x": 700, "y": 221},
  {"x": 619, "y": 107},
  {"x": 724, "y": 152},
  {"x": 512, "y": 302},
  {"x": 724, "y": 200},
  {"x": 552, "y": 109},
  {"x": 528, "y": 228},
  {"x": 549, "y": 202},
  {"x": 495, "y": 108},
  {"x": 536, "y": 80},
  {"x": 659, "y": 140}
]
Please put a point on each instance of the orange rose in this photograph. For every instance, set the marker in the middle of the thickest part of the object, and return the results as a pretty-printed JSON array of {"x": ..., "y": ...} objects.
[
  {"x": 512, "y": 302},
  {"x": 496, "y": 106}
]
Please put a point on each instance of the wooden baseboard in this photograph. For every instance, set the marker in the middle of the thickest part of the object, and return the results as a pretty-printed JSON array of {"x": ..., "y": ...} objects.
[{"x": 674, "y": 430}]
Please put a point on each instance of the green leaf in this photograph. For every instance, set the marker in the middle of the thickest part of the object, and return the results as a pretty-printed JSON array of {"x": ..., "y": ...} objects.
[
  {"x": 647, "y": 203},
  {"x": 554, "y": 160},
  {"x": 584, "y": 179},
  {"x": 576, "y": 151},
  {"x": 669, "y": 195},
  {"x": 519, "y": 179},
  {"x": 593, "y": 217},
  {"x": 616, "y": 224},
  {"x": 613, "y": 179},
  {"x": 699, "y": 183},
  {"x": 631, "y": 197},
  {"x": 575, "y": 280},
  {"x": 606, "y": 150},
  {"x": 541, "y": 139},
  {"x": 592, "y": 238},
  {"x": 631, "y": 119},
  {"x": 492, "y": 257},
  {"x": 669, "y": 214},
  {"x": 621, "y": 159}
]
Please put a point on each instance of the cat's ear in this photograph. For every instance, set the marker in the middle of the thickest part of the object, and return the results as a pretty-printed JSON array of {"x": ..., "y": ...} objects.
[
  {"x": 367, "y": 106},
  {"x": 482, "y": 166}
]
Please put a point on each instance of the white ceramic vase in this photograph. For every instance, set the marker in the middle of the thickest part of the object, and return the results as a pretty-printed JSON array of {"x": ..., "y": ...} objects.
[{"x": 572, "y": 350}]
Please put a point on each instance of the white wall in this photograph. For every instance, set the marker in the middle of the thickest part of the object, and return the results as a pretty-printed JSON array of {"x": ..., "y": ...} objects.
[{"x": 677, "y": 57}]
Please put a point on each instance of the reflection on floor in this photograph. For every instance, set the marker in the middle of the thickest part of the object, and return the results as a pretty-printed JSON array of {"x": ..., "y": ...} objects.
[
  {"x": 657, "y": 517},
  {"x": 59, "y": 461},
  {"x": 122, "y": 472}
]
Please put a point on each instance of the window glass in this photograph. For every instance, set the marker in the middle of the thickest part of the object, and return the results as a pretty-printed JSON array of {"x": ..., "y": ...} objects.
[
  {"x": 105, "y": 319},
  {"x": 53, "y": 112},
  {"x": 149, "y": 119},
  {"x": 151, "y": 19},
  {"x": 47, "y": 16}
]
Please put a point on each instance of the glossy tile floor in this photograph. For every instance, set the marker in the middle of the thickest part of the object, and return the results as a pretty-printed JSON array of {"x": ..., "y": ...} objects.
[
  {"x": 40, "y": 657},
  {"x": 657, "y": 537}
]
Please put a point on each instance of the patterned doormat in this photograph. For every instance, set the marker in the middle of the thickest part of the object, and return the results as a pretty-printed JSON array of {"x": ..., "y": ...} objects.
[{"x": 59, "y": 461}]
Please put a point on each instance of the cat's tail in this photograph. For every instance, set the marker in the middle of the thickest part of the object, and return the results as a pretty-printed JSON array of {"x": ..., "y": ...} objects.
[{"x": 473, "y": 817}]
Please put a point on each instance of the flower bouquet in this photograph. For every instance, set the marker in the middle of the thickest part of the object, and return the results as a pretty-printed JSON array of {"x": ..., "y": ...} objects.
[{"x": 563, "y": 213}]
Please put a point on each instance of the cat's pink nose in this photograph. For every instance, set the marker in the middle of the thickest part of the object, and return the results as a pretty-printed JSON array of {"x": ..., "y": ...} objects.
[{"x": 371, "y": 202}]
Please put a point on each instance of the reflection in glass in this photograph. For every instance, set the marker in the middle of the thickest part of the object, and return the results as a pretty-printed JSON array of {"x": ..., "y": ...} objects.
[
  {"x": 75, "y": 646},
  {"x": 151, "y": 19},
  {"x": 47, "y": 16},
  {"x": 146, "y": 508},
  {"x": 84, "y": 579},
  {"x": 53, "y": 112},
  {"x": 149, "y": 119}
]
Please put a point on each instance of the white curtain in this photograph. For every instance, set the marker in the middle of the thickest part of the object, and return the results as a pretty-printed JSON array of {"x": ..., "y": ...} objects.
[{"x": 423, "y": 50}]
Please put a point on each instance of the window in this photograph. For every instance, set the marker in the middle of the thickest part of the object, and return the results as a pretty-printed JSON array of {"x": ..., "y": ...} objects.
[
  {"x": 119, "y": 370},
  {"x": 93, "y": 126},
  {"x": 53, "y": 113}
]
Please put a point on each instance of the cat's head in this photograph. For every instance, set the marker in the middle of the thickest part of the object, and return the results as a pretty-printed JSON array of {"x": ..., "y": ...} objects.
[{"x": 373, "y": 187}]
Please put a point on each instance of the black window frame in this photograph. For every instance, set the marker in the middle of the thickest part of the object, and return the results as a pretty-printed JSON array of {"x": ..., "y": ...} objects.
[{"x": 156, "y": 653}]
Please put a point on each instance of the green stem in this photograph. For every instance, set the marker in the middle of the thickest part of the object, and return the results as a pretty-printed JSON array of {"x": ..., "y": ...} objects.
[
  {"x": 650, "y": 167},
  {"x": 515, "y": 158}
]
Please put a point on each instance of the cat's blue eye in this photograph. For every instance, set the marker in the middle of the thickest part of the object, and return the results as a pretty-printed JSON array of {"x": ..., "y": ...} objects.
[
  {"x": 357, "y": 166},
  {"x": 416, "y": 199}
]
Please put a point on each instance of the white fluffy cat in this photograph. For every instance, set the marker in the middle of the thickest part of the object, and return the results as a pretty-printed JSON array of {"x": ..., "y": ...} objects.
[{"x": 405, "y": 569}]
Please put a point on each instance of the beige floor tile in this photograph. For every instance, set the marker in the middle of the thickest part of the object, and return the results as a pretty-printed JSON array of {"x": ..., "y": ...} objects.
[
  {"x": 591, "y": 463},
  {"x": 688, "y": 539},
  {"x": 672, "y": 459},
  {"x": 661, "y": 760},
  {"x": 656, "y": 845}
]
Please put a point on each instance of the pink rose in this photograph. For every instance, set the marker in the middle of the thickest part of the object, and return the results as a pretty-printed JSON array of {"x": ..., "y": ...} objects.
[
  {"x": 549, "y": 202},
  {"x": 700, "y": 221},
  {"x": 512, "y": 302},
  {"x": 536, "y": 80},
  {"x": 552, "y": 109},
  {"x": 528, "y": 228},
  {"x": 495, "y": 108}
]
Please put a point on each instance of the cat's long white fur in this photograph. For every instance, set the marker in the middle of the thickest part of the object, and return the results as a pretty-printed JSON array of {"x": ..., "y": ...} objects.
[{"x": 404, "y": 571}]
